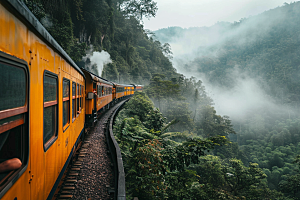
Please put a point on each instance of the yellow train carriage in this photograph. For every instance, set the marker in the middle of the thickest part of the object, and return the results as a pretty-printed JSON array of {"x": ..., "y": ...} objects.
[
  {"x": 99, "y": 96},
  {"x": 122, "y": 91},
  {"x": 41, "y": 105},
  {"x": 104, "y": 94},
  {"x": 130, "y": 90}
]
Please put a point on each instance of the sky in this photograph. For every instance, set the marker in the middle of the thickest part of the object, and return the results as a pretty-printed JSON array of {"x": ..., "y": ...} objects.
[{"x": 198, "y": 13}]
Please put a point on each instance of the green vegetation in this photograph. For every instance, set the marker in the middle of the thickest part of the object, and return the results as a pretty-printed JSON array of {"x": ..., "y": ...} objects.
[
  {"x": 182, "y": 149},
  {"x": 175, "y": 165},
  {"x": 264, "y": 48}
]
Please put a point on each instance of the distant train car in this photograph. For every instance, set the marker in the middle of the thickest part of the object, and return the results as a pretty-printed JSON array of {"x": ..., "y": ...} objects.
[
  {"x": 121, "y": 91},
  {"x": 129, "y": 90},
  {"x": 42, "y": 112},
  {"x": 99, "y": 96},
  {"x": 138, "y": 88}
]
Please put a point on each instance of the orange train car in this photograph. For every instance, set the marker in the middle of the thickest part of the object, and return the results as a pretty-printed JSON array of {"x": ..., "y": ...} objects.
[
  {"x": 99, "y": 94},
  {"x": 122, "y": 91},
  {"x": 42, "y": 112},
  {"x": 138, "y": 88}
]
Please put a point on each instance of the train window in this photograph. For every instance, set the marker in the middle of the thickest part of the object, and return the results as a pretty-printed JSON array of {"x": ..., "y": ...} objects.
[
  {"x": 77, "y": 97},
  {"x": 50, "y": 108},
  {"x": 80, "y": 97},
  {"x": 73, "y": 101},
  {"x": 81, "y": 101},
  {"x": 66, "y": 102},
  {"x": 14, "y": 132},
  {"x": 99, "y": 91},
  {"x": 13, "y": 87}
]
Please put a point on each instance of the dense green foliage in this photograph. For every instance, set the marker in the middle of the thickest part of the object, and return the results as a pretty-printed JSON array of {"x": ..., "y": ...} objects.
[
  {"x": 110, "y": 25},
  {"x": 179, "y": 165}
]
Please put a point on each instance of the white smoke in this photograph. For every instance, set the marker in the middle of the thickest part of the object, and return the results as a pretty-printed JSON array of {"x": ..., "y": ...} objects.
[{"x": 99, "y": 59}]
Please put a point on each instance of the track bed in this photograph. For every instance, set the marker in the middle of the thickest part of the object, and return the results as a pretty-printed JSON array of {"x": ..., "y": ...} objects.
[{"x": 91, "y": 174}]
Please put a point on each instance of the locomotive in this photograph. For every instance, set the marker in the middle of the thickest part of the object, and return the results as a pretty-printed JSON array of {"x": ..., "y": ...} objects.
[{"x": 46, "y": 104}]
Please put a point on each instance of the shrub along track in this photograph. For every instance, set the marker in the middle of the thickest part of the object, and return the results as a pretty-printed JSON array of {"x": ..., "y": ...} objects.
[{"x": 90, "y": 176}]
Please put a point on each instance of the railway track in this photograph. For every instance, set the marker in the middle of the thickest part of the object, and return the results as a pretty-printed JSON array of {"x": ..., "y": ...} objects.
[{"x": 90, "y": 174}]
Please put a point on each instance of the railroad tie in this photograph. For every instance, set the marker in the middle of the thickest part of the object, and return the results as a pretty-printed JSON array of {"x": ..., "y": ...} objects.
[
  {"x": 65, "y": 197},
  {"x": 68, "y": 188}
]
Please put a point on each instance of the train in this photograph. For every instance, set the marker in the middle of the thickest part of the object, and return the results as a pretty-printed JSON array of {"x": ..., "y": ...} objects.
[{"x": 46, "y": 105}]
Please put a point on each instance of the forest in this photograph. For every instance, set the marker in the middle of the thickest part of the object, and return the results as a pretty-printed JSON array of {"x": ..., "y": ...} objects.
[{"x": 174, "y": 144}]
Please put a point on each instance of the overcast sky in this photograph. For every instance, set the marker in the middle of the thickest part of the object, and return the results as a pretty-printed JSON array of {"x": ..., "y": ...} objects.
[{"x": 198, "y": 13}]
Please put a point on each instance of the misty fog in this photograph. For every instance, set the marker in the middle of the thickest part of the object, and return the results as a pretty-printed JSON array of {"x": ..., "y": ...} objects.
[{"x": 247, "y": 93}]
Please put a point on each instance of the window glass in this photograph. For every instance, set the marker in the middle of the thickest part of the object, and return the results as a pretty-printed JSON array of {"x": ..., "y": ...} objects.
[
  {"x": 73, "y": 89},
  {"x": 50, "y": 107},
  {"x": 74, "y": 100},
  {"x": 12, "y": 87},
  {"x": 98, "y": 90},
  {"x": 66, "y": 102},
  {"x": 80, "y": 96},
  {"x": 66, "y": 88},
  {"x": 77, "y": 95},
  {"x": 50, "y": 87},
  {"x": 49, "y": 123},
  {"x": 82, "y": 92},
  {"x": 66, "y": 113},
  {"x": 77, "y": 90}
]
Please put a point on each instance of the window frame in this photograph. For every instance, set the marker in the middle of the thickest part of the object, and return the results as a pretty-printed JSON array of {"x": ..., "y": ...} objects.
[
  {"x": 73, "y": 104},
  {"x": 82, "y": 92},
  {"x": 65, "y": 127},
  {"x": 49, "y": 143},
  {"x": 11, "y": 178},
  {"x": 77, "y": 99}
]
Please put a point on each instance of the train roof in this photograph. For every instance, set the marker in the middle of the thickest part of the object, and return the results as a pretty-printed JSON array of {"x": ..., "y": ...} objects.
[
  {"x": 123, "y": 85},
  {"x": 137, "y": 85},
  {"x": 96, "y": 77},
  {"x": 22, "y": 9}
]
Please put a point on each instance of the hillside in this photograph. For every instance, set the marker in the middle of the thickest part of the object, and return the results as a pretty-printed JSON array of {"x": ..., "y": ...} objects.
[
  {"x": 251, "y": 68},
  {"x": 106, "y": 37},
  {"x": 264, "y": 47}
]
